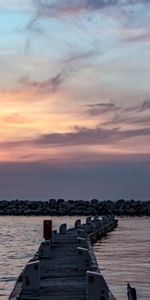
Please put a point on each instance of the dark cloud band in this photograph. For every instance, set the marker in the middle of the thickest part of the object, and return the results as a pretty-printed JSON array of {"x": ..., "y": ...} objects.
[{"x": 81, "y": 136}]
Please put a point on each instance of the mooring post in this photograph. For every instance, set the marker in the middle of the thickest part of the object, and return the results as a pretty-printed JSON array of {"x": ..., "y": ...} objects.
[
  {"x": 47, "y": 229},
  {"x": 89, "y": 227},
  {"x": 84, "y": 259},
  {"x": 77, "y": 224},
  {"x": 45, "y": 249},
  {"x": 131, "y": 293},
  {"x": 97, "y": 288},
  {"x": 88, "y": 220},
  {"x": 63, "y": 228},
  {"x": 31, "y": 276},
  {"x": 104, "y": 220},
  {"x": 97, "y": 223}
]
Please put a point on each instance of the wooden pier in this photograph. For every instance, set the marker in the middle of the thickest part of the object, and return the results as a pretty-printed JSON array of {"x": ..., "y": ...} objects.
[{"x": 65, "y": 267}]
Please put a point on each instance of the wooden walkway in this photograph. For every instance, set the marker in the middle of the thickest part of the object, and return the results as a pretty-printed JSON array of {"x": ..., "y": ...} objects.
[{"x": 58, "y": 271}]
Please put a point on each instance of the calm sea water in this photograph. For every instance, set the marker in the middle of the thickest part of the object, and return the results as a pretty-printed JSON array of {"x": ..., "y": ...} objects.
[{"x": 123, "y": 256}]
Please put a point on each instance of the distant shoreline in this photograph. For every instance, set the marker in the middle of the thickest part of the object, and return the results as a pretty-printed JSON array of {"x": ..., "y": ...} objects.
[{"x": 60, "y": 207}]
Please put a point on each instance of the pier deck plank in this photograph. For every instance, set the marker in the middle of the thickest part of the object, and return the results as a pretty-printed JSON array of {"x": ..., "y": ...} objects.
[{"x": 60, "y": 277}]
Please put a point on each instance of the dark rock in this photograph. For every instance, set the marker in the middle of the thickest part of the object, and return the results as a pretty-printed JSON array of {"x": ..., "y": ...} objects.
[
  {"x": 95, "y": 202},
  {"x": 60, "y": 201},
  {"x": 75, "y": 207},
  {"x": 52, "y": 203}
]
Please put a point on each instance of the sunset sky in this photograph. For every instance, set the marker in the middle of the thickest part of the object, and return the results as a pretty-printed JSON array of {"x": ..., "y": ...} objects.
[{"x": 75, "y": 99}]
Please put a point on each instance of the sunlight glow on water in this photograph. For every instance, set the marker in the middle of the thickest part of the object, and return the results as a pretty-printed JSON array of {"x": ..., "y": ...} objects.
[{"x": 123, "y": 255}]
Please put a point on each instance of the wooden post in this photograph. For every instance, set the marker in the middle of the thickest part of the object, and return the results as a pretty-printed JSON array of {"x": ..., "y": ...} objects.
[
  {"x": 97, "y": 288},
  {"x": 77, "y": 224},
  {"x": 47, "y": 229},
  {"x": 63, "y": 228},
  {"x": 131, "y": 292},
  {"x": 88, "y": 220},
  {"x": 45, "y": 249},
  {"x": 84, "y": 259},
  {"x": 31, "y": 276}
]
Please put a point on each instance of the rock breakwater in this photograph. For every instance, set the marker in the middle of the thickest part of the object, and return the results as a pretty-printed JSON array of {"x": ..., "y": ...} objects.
[{"x": 60, "y": 207}]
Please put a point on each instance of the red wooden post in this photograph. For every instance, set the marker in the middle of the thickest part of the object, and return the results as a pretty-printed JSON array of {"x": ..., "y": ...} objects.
[{"x": 47, "y": 229}]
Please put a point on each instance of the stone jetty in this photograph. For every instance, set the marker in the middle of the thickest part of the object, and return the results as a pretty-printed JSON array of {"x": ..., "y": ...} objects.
[
  {"x": 65, "y": 267},
  {"x": 60, "y": 207}
]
